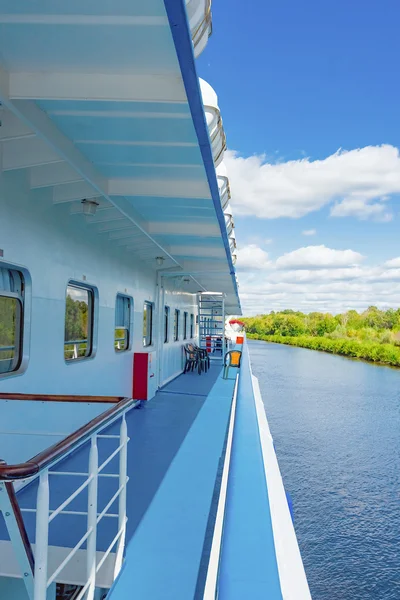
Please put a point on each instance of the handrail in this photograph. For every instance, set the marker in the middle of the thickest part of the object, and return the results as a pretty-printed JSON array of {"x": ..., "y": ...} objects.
[
  {"x": 10, "y": 491},
  {"x": 60, "y": 398},
  {"x": 54, "y": 452}
]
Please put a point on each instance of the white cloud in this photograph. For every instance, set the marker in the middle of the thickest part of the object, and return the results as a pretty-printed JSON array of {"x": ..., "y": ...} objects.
[
  {"x": 316, "y": 278},
  {"x": 252, "y": 257},
  {"x": 309, "y": 232},
  {"x": 329, "y": 290},
  {"x": 268, "y": 241},
  {"x": 393, "y": 263},
  {"x": 358, "y": 181},
  {"x": 318, "y": 256},
  {"x": 362, "y": 209}
]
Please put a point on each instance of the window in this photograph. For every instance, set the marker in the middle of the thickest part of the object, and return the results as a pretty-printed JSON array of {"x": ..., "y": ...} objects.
[
  {"x": 192, "y": 325},
  {"x": 79, "y": 310},
  {"x": 185, "y": 318},
  {"x": 166, "y": 324},
  {"x": 176, "y": 325},
  {"x": 11, "y": 319},
  {"x": 147, "y": 324},
  {"x": 122, "y": 337}
]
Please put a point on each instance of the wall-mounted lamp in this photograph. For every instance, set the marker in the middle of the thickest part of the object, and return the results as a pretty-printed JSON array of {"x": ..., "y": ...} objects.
[
  {"x": 89, "y": 207},
  {"x": 160, "y": 260}
]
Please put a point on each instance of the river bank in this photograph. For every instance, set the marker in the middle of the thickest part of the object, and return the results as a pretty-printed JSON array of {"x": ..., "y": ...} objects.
[{"x": 384, "y": 354}]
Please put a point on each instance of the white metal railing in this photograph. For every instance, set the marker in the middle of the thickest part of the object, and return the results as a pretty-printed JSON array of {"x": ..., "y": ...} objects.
[
  {"x": 75, "y": 348},
  {"x": 40, "y": 574},
  {"x": 44, "y": 517}
]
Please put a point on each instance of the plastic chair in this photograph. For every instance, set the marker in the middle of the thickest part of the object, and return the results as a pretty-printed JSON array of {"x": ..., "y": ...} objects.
[
  {"x": 232, "y": 359},
  {"x": 191, "y": 359},
  {"x": 204, "y": 356},
  {"x": 203, "y": 360}
]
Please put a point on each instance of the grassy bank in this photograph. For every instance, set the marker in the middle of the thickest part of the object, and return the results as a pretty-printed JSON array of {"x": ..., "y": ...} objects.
[{"x": 387, "y": 354}]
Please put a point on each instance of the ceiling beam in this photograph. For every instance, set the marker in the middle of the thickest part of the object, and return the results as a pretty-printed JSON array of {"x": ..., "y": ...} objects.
[
  {"x": 119, "y": 114},
  {"x": 82, "y": 19},
  {"x": 200, "y": 251},
  {"x": 12, "y": 128},
  {"x": 105, "y": 214},
  {"x": 124, "y": 233},
  {"x": 184, "y": 228},
  {"x": 142, "y": 143},
  {"x": 29, "y": 152},
  {"x": 134, "y": 87},
  {"x": 70, "y": 192},
  {"x": 160, "y": 188},
  {"x": 54, "y": 174},
  {"x": 131, "y": 240},
  {"x": 115, "y": 226},
  {"x": 44, "y": 127}
]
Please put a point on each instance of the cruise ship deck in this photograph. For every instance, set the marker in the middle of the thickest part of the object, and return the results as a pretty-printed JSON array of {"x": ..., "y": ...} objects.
[{"x": 177, "y": 456}]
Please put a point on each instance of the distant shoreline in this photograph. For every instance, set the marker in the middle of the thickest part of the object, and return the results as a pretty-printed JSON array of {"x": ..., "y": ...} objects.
[{"x": 379, "y": 354}]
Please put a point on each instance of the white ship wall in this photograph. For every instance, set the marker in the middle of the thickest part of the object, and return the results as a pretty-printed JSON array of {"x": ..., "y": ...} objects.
[{"x": 56, "y": 247}]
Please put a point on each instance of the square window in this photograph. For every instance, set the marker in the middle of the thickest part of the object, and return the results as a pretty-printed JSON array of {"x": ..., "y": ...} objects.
[
  {"x": 192, "y": 325},
  {"x": 176, "y": 325},
  {"x": 122, "y": 337},
  {"x": 166, "y": 324},
  {"x": 11, "y": 319},
  {"x": 79, "y": 310}
]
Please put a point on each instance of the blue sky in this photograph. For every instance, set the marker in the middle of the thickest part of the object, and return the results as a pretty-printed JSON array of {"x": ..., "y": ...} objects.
[{"x": 298, "y": 81}]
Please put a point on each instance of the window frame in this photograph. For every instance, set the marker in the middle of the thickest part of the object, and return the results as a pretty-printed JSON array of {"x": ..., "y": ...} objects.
[
  {"x": 185, "y": 324},
  {"x": 167, "y": 314},
  {"x": 92, "y": 319},
  {"x": 21, "y": 362},
  {"x": 191, "y": 325},
  {"x": 176, "y": 324},
  {"x": 146, "y": 343},
  {"x": 129, "y": 329}
]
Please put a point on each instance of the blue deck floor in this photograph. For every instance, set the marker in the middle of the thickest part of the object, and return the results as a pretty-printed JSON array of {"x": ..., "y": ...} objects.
[
  {"x": 175, "y": 459},
  {"x": 177, "y": 441}
]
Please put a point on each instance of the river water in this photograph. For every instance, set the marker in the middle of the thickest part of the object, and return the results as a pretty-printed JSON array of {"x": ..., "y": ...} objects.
[{"x": 336, "y": 429}]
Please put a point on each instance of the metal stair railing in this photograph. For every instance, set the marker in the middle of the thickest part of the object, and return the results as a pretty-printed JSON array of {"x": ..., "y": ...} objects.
[{"x": 34, "y": 565}]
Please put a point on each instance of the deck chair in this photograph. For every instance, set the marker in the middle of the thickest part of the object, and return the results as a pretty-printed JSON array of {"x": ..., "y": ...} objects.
[
  {"x": 204, "y": 356},
  {"x": 190, "y": 358},
  {"x": 203, "y": 360},
  {"x": 232, "y": 359}
]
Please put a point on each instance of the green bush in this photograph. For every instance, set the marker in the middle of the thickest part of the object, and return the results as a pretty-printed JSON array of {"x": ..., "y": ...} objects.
[{"x": 372, "y": 351}]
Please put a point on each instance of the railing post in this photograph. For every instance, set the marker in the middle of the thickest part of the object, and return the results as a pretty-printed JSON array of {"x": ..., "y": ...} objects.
[
  {"x": 42, "y": 536},
  {"x": 92, "y": 518},
  {"x": 75, "y": 351},
  {"x": 123, "y": 468}
]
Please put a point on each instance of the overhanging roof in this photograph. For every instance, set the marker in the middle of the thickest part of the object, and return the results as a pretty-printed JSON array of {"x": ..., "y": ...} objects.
[{"x": 102, "y": 101}]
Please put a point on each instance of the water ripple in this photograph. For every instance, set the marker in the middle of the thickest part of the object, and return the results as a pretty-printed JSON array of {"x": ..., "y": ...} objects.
[{"x": 336, "y": 428}]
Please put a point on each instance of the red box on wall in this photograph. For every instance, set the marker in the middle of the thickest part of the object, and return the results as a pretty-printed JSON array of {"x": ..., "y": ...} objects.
[{"x": 144, "y": 375}]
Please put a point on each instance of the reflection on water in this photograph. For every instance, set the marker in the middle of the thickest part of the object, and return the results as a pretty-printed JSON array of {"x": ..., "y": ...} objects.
[{"x": 336, "y": 428}]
